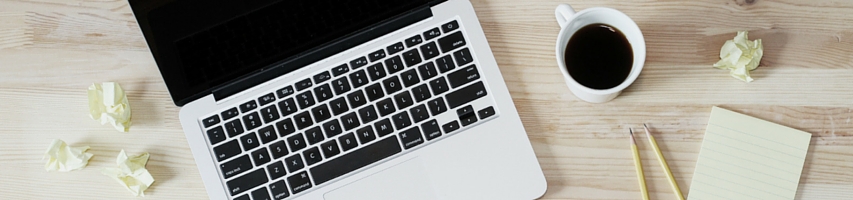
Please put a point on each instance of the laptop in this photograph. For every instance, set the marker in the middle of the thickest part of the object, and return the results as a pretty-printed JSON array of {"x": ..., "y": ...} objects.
[{"x": 340, "y": 99}]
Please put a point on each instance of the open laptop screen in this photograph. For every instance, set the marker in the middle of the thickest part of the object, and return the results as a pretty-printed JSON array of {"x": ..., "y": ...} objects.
[{"x": 199, "y": 44}]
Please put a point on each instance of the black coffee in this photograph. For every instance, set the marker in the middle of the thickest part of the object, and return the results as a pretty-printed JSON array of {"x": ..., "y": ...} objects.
[{"x": 599, "y": 56}]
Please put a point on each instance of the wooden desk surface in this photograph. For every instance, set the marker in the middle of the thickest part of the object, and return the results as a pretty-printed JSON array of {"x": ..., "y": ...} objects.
[{"x": 51, "y": 50}]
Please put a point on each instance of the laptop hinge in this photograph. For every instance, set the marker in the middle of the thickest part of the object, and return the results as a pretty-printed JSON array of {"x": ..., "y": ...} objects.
[{"x": 321, "y": 52}]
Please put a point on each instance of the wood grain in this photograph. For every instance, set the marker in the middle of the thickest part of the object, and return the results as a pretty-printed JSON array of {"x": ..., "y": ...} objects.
[{"x": 51, "y": 50}]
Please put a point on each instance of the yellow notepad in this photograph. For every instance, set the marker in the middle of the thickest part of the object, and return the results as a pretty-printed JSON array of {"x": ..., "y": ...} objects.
[{"x": 743, "y": 157}]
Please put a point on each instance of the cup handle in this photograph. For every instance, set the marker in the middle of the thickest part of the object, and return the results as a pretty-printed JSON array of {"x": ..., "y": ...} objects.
[{"x": 564, "y": 13}]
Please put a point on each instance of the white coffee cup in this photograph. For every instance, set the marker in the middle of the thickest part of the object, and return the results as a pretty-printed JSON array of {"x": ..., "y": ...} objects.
[{"x": 570, "y": 22}]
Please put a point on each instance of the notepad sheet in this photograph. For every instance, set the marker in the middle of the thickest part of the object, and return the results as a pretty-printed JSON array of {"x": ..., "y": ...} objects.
[{"x": 743, "y": 157}]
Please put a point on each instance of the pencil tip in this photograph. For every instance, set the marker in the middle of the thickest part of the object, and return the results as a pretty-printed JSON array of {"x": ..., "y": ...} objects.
[
  {"x": 631, "y": 131},
  {"x": 647, "y": 130}
]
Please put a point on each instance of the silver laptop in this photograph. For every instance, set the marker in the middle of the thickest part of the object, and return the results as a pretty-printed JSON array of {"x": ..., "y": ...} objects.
[{"x": 331, "y": 99}]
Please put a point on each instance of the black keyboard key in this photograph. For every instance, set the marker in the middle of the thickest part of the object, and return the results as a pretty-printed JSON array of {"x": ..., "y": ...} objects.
[
  {"x": 401, "y": 120},
  {"x": 321, "y": 113},
  {"x": 445, "y": 64},
  {"x": 450, "y": 26},
  {"x": 321, "y": 77},
  {"x": 276, "y": 170},
  {"x": 227, "y": 150},
  {"x": 394, "y": 48},
  {"x": 299, "y": 182},
  {"x": 330, "y": 149},
  {"x": 284, "y": 92},
  {"x": 248, "y": 106},
  {"x": 403, "y": 100},
  {"x": 374, "y": 91},
  {"x": 269, "y": 114},
  {"x": 305, "y": 100},
  {"x": 236, "y": 166},
  {"x": 431, "y": 130},
  {"x": 421, "y": 92},
  {"x": 303, "y": 120},
  {"x": 376, "y": 71},
  {"x": 450, "y": 126},
  {"x": 287, "y": 107},
  {"x": 230, "y": 113},
  {"x": 234, "y": 128},
  {"x": 339, "y": 106},
  {"x": 383, "y": 127},
  {"x": 210, "y": 121},
  {"x": 419, "y": 113},
  {"x": 285, "y": 127},
  {"x": 392, "y": 85},
  {"x": 429, "y": 50},
  {"x": 463, "y": 76},
  {"x": 244, "y": 197},
  {"x": 332, "y": 128},
  {"x": 358, "y": 62},
  {"x": 394, "y": 64},
  {"x": 410, "y": 77},
  {"x": 358, "y": 79},
  {"x": 365, "y": 134},
  {"x": 356, "y": 99},
  {"x": 438, "y": 85},
  {"x": 261, "y": 156},
  {"x": 436, "y": 106},
  {"x": 355, "y": 160},
  {"x": 414, "y": 40},
  {"x": 267, "y": 134},
  {"x": 341, "y": 85},
  {"x": 428, "y": 70},
  {"x": 412, "y": 57},
  {"x": 216, "y": 135},
  {"x": 411, "y": 138},
  {"x": 312, "y": 156},
  {"x": 348, "y": 141},
  {"x": 247, "y": 181},
  {"x": 266, "y": 99},
  {"x": 314, "y": 135},
  {"x": 249, "y": 141},
  {"x": 465, "y": 111},
  {"x": 296, "y": 142},
  {"x": 462, "y": 57},
  {"x": 350, "y": 121},
  {"x": 376, "y": 55},
  {"x": 367, "y": 114},
  {"x": 466, "y": 94},
  {"x": 252, "y": 121},
  {"x": 340, "y": 70},
  {"x": 486, "y": 112},
  {"x": 386, "y": 107},
  {"x": 323, "y": 92},
  {"x": 279, "y": 190},
  {"x": 294, "y": 163},
  {"x": 261, "y": 194},
  {"x": 432, "y": 33},
  {"x": 304, "y": 84},
  {"x": 451, "y": 42},
  {"x": 466, "y": 115},
  {"x": 278, "y": 149}
]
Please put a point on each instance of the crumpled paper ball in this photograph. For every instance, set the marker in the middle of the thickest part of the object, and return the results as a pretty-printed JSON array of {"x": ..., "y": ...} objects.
[
  {"x": 740, "y": 56},
  {"x": 131, "y": 172},
  {"x": 64, "y": 158},
  {"x": 108, "y": 103}
]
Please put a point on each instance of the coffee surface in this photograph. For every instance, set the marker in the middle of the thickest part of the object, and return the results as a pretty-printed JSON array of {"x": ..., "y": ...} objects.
[{"x": 599, "y": 56}]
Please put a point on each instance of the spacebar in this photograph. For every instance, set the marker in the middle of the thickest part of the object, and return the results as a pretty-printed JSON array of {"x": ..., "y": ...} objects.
[{"x": 355, "y": 160}]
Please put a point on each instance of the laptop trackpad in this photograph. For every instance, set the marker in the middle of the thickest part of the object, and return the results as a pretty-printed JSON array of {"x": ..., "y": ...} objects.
[{"x": 407, "y": 180}]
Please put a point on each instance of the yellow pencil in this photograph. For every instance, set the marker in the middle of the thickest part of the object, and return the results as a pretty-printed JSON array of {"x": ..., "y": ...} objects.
[
  {"x": 663, "y": 164},
  {"x": 639, "y": 166}
]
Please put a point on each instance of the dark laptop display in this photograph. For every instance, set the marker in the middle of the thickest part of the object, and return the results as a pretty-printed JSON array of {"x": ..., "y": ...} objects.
[{"x": 199, "y": 45}]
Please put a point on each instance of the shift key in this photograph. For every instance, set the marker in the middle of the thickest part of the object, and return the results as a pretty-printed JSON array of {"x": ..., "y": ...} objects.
[
  {"x": 467, "y": 94},
  {"x": 247, "y": 181}
]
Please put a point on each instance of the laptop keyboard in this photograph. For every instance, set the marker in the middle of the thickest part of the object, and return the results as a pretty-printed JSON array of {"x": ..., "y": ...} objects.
[{"x": 349, "y": 116}]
